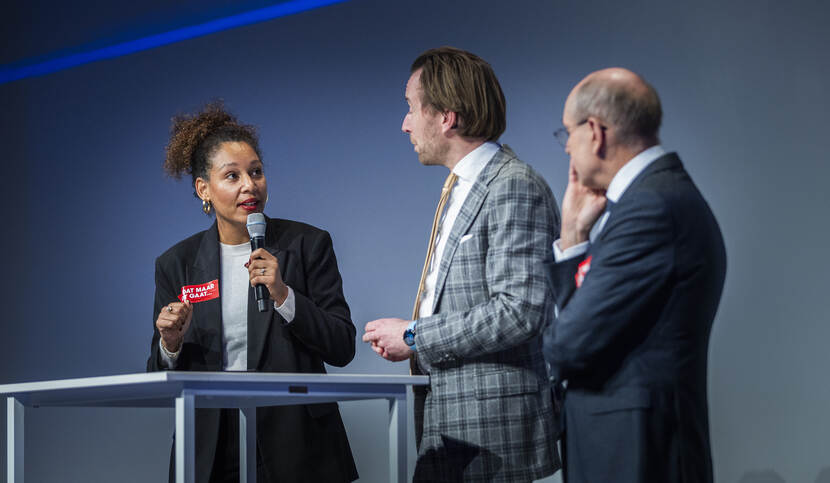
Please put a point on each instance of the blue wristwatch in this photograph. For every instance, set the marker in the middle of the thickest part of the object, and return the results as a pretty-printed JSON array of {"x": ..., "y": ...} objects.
[{"x": 409, "y": 335}]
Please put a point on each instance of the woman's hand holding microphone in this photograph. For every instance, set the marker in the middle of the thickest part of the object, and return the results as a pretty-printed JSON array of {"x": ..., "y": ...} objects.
[{"x": 264, "y": 268}]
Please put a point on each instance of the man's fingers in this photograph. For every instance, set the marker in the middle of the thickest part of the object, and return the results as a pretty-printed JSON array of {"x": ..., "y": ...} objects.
[{"x": 376, "y": 324}]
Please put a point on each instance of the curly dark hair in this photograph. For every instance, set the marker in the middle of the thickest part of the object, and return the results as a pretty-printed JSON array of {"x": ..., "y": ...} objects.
[{"x": 195, "y": 138}]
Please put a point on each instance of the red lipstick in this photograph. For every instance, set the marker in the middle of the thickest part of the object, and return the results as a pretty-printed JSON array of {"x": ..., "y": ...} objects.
[{"x": 251, "y": 204}]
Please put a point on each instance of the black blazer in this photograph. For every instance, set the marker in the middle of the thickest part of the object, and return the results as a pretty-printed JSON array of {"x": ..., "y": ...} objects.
[
  {"x": 632, "y": 341},
  {"x": 296, "y": 443}
]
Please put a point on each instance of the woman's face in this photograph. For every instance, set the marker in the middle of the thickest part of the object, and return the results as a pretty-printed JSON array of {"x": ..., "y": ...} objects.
[{"x": 236, "y": 186}]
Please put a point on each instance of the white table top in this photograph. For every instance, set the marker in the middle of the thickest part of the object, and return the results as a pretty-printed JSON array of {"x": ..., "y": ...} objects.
[{"x": 159, "y": 389}]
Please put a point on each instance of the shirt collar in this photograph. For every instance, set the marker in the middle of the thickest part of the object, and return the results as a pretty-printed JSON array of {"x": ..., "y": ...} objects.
[
  {"x": 629, "y": 171},
  {"x": 471, "y": 165}
]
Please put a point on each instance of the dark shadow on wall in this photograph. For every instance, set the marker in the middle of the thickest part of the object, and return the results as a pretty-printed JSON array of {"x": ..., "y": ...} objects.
[
  {"x": 823, "y": 476},
  {"x": 761, "y": 476}
]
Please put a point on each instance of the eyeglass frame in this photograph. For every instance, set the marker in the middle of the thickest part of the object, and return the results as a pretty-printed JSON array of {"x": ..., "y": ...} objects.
[{"x": 562, "y": 133}]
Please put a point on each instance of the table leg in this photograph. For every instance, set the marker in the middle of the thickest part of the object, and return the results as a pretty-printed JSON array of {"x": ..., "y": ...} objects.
[
  {"x": 185, "y": 449},
  {"x": 397, "y": 438},
  {"x": 14, "y": 440},
  {"x": 247, "y": 445}
]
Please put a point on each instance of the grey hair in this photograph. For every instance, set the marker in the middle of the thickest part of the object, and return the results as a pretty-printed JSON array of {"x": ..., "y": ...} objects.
[{"x": 635, "y": 113}]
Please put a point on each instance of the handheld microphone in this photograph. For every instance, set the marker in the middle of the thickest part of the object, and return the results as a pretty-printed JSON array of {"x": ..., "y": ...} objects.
[{"x": 256, "y": 230}]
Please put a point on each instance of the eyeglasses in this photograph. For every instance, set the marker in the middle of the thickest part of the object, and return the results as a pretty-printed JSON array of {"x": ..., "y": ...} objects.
[{"x": 562, "y": 133}]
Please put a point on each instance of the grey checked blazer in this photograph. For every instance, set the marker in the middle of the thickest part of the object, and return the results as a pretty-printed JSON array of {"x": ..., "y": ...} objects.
[{"x": 487, "y": 413}]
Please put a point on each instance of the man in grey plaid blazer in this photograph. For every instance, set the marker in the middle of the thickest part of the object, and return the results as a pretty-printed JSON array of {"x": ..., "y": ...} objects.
[{"x": 484, "y": 298}]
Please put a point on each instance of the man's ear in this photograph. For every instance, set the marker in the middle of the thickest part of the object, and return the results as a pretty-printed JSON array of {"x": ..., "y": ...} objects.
[
  {"x": 449, "y": 121},
  {"x": 599, "y": 137}
]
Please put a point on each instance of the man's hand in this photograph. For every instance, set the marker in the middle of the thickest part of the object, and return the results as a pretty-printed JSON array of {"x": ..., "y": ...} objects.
[
  {"x": 386, "y": 337},
  {"x": 581, "y": 207}
]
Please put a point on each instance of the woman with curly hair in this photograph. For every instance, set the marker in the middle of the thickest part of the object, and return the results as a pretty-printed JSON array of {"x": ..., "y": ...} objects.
[{"x": 206, "y": 315}]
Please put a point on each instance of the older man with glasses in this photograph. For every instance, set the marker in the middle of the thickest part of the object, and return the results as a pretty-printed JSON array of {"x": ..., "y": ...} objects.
[{"x": 638, "y": 275}]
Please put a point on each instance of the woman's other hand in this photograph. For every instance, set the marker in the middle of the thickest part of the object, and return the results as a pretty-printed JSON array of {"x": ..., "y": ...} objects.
[{"x": 173, "y": 322}]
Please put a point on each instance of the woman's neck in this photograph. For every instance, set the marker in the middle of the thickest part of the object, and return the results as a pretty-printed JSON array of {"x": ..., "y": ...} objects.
[{"x": 231, "y": 233}]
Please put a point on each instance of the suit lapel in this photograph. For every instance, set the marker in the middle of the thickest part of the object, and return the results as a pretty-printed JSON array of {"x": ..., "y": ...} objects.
[
  {"x": 467, "y": 214},
  {"x": 259, "y": 323},
  {"x": 208, "y": 313}
]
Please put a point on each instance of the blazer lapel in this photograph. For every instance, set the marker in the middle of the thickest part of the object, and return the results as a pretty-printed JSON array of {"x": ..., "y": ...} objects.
[
  {"x": 469, "y": 212},
  {"x": 208, "y": 313},
  {"x": 259, "y": 323}
]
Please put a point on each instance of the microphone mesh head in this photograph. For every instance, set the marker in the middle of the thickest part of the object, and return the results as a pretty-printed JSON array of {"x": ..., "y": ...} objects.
[{"x": 256, "y": 225}]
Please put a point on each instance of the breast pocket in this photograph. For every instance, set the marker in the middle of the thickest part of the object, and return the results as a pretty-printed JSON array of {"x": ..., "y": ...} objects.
[{"x": 470, "y": 257}]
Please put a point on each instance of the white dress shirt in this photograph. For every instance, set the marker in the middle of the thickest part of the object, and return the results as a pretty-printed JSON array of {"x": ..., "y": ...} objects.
[
  {"x": 467, "y": 170},
  {"x": 619, "y": 183}
]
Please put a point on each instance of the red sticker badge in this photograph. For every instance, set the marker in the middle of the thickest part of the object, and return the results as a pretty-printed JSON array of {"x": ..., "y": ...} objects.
[
  {"x": 584, "y": 266},
  {"x": 200, "y": 293}
]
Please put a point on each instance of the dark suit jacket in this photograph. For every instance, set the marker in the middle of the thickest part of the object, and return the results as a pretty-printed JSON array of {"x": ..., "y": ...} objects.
[
  {"x": 632, "y": 341},
  {"x": 296, "y": 443}
]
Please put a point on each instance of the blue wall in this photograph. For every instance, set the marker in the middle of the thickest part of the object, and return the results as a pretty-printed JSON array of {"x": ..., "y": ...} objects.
[{"x": 87, "y": 207}]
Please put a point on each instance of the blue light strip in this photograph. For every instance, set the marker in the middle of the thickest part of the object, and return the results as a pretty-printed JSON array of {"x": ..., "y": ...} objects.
[{"x": 125, "y": 48}]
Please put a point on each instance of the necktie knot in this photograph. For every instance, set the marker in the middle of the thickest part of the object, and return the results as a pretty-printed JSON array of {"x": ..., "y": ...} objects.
[{"x": 448, "y": 183}]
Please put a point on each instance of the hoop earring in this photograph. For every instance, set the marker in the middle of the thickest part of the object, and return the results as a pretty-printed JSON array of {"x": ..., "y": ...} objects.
[{"x": 207, "y": 207}]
